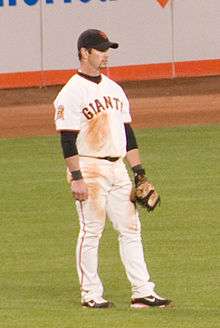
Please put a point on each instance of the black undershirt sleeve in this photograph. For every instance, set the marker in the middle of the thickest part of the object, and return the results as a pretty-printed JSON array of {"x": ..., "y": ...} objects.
[
  {"x": 130, "y": 137},
  {"x": 68, "y": 143}
]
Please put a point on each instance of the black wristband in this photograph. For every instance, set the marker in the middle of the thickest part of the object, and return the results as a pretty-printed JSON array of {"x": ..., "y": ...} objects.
[
  {"x": 139, "y": 173},
  {"x": 76, "y": 175},
  {"x": 138, "y": 170}
]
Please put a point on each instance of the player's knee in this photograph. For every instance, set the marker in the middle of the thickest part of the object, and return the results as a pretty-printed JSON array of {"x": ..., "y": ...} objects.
[
  {"x": 93, "y": 231},
  {"x": 129, "y": 237}
]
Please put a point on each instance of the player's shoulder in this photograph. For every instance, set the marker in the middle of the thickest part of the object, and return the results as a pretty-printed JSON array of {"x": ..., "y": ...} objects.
[
  {"x": 111, "y": 82},
  {"x": 71, "y": 87},
  {"x": 114, "y": 86},
  {"x": 73, "y": 81},
  {"x": 107, "y": 79}
]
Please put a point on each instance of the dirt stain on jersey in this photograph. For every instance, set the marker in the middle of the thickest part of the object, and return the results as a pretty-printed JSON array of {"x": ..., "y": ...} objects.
[{"x": 98, "y": 131}]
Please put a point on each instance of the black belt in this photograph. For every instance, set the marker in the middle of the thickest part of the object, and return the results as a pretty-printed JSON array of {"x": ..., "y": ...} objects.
[{"x": 108, "y": 158}]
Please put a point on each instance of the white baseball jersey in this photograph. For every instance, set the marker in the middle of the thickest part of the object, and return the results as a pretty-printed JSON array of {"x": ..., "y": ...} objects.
[{"x": 98, "y": 111}]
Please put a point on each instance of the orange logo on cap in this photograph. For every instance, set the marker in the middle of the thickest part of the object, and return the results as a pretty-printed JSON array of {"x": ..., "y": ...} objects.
[{"x": 103, "y": 35}]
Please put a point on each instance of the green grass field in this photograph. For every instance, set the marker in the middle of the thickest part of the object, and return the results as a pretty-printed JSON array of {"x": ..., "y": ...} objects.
[{"x": 38, "y": 230}]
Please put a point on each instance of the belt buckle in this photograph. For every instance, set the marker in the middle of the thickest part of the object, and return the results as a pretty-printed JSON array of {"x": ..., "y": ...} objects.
[
  {"x": 109, "y": 158},
  {"x": 112, "y": 159}
]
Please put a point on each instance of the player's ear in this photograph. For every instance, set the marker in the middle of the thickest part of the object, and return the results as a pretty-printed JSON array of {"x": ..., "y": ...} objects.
[{"x": 84, "y": 53}]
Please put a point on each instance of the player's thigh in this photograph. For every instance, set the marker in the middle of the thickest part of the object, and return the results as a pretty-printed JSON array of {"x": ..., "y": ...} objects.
[
  {"x": 121, "y": 211},
  {"x": 92, "y": 213}
]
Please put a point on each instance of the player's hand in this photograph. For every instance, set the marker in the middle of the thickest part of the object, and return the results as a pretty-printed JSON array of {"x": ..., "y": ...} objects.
[{"x": 79, "y": 190}]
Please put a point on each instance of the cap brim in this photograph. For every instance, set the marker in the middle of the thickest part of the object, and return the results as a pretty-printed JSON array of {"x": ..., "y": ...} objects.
[
  {"x": 106, "y": 45},
  {"x": 114, "y": 45}
]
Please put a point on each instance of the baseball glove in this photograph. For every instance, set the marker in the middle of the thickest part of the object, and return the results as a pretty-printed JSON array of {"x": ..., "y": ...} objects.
[{"x": 144, "y": 193}]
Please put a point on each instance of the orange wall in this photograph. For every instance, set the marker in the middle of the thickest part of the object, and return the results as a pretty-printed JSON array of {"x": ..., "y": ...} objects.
[{"x": 121, "y": 73}]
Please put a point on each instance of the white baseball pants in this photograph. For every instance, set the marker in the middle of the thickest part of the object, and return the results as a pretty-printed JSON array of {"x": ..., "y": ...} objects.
[{"x": 109, "y": 196}]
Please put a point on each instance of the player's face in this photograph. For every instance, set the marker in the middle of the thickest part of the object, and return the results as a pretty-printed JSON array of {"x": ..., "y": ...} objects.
[{"x": 98, "y": 59}]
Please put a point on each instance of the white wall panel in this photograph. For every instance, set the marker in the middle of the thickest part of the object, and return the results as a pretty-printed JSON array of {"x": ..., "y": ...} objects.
[
  {"x": 197, "y": 29},
  {"x": 20, "y": 41}
]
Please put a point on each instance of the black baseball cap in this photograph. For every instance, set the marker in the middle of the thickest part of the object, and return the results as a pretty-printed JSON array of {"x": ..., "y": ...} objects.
[{"x": 95, "y": 39}]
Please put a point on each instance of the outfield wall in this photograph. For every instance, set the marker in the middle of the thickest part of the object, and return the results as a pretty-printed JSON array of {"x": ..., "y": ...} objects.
[{"x": 158, "y": 38}]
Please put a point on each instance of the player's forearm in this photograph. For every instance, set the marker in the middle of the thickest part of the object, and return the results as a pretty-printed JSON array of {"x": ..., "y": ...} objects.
[
  {"x": 134, "y": 160},
  {"x": 72, "y": 163},
  {"x": 70, "y": 152},
  {"x": 133, "y": 157},
  {"x": 77, "y": 184}
]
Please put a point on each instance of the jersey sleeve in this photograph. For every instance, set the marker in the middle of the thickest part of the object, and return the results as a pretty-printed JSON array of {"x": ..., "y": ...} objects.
[
  {"x": 67, "y": 110},
  {"x": 126, "y": 109}
]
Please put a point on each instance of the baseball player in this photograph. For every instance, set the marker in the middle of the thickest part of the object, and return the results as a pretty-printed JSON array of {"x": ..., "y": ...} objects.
[{"x": 93, "y": 118}]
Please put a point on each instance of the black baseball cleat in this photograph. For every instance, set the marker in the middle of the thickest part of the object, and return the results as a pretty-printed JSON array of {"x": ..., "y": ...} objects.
[
  {"x": 95, "y": 305},
  {"x": 150, "y": 301}
]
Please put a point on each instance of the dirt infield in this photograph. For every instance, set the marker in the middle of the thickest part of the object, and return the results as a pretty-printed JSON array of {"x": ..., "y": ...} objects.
[{"x": 158, "y": 103}]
